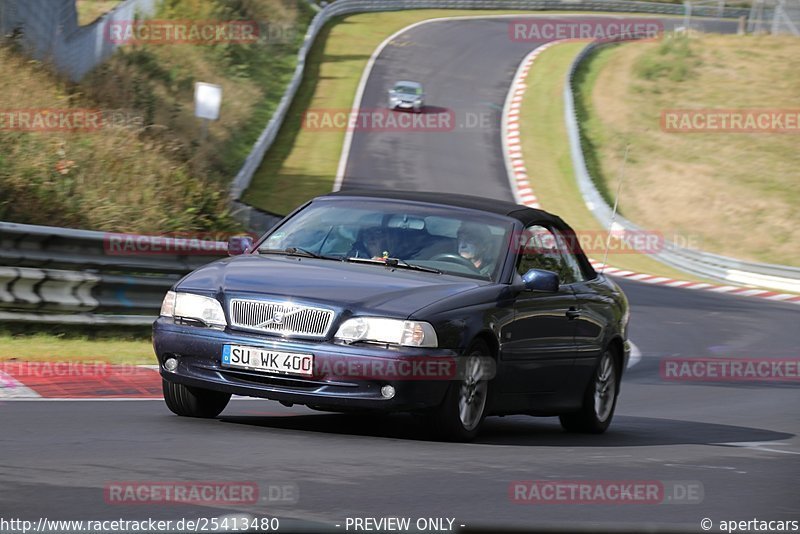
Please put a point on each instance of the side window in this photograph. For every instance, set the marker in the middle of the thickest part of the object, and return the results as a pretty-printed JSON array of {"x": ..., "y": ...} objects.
[
  {"x": 541, "y": 249},
  {"x": 568, "y": 252}
]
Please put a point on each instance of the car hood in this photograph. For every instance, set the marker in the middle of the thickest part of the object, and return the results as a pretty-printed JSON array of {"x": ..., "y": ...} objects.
[{"x": 358, "y": 288}]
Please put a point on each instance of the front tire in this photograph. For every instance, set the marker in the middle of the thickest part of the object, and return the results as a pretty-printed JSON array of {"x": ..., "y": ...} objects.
[
  {"x": 599, "y": 399},
  {"x": 463, "y": 409},
  {"x": 193, "y": 402}
]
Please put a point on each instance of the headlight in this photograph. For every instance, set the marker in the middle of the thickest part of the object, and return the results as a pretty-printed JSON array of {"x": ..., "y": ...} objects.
[
  {"x": 207, "y": 310},
  {"x": 168, "y": 305},
  {"x": 391, "y": 331}
]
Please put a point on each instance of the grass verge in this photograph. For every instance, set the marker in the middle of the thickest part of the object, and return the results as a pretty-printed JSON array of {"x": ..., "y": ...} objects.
[
  {"x": 545, "y": 147},
  {"x": 91, "y": 10},
  {"x": 735, "y": 194},
  {"x": 53, "y": 348}
]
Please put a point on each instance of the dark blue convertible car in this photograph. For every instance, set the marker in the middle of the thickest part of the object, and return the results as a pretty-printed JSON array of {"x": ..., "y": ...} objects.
[{"x": 449, "y": 307}]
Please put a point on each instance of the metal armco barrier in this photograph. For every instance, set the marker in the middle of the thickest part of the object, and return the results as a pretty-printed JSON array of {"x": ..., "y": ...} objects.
[
  {"x": 77, "y": 276},
  {"x": 705, "y": 264}
]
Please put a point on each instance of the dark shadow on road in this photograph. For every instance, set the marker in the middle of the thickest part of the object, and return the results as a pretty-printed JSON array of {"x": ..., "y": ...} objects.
[{"x": 625, "y": 431}]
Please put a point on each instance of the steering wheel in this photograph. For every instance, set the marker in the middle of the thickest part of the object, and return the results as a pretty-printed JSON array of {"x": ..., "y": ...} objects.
[{"x": 454, "y": 258}]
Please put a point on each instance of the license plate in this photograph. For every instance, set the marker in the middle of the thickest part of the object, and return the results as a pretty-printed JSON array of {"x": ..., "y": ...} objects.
[{"x": 268, "y": 361}]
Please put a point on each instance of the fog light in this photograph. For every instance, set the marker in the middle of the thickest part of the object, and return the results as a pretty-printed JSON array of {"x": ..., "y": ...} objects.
[
  {"x": 387, "y": 392},
  {"x": 171, "y": 364}
]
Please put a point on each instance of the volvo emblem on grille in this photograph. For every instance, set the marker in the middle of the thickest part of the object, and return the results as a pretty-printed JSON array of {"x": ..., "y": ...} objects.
[{"x": 278, "y": 317}]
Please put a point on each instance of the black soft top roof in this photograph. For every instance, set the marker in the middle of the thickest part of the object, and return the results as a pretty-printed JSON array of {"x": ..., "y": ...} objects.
[{"x": 522, "y": 213}]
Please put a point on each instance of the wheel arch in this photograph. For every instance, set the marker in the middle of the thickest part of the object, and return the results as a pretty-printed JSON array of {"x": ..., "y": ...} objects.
[
  {"x": 490, "y": 339},
  {"x": 617, "y": 347}
]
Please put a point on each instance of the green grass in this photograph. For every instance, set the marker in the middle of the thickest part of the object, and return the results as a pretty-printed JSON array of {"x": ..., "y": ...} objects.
[
  {"x": 734, "y": 194},
  {"x": 544, "y": 141},
  {"x": 91, "y": 10},
  {"x": 53, "y": 348}
]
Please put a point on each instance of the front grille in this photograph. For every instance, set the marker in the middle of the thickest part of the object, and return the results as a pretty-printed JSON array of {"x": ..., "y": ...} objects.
[{"x": 281, "y": 318}]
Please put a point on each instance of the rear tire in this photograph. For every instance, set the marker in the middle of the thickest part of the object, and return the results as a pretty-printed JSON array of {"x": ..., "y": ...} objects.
[
  {"x": 599, "y": 399},
  {"x": 194, "y": 402},
  {"x": 464, "y": 407}
]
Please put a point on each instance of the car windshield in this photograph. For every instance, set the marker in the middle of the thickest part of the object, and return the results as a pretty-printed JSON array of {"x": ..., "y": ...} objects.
[
  {"x": 408, "y": 90},
  {"x": 407, "y": 235}
]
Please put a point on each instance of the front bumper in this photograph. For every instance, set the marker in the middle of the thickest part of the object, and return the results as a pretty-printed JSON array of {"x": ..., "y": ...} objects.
[
  {"x": 399, "y": 104},
  {"x": 199, "y": 354}
]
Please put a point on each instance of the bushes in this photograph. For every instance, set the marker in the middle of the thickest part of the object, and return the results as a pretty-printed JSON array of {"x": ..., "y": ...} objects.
[{"x": 147, "y": 169}]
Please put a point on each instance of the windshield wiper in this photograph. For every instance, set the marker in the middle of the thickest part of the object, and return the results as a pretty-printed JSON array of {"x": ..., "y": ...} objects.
[
  {"x": 297, "y": 251},
  {"x": 395, "y": 262}
]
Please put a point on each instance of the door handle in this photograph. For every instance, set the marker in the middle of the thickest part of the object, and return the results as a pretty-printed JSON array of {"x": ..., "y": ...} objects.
[{"x": 573, "y": 313}]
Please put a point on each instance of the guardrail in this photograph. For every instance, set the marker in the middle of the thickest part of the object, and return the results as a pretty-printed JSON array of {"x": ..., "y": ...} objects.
[
  {"x": 78, "y": 276},
  {"x": 705, "y": 264}
]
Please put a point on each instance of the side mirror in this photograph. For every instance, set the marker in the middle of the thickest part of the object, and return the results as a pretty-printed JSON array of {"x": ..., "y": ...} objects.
[
  {"x": 540, "y": 280},
  {"x": 238, "y": 245}
]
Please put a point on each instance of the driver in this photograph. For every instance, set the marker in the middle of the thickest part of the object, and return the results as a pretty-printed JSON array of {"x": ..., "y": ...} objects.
[{"x": 474, "y": 241}]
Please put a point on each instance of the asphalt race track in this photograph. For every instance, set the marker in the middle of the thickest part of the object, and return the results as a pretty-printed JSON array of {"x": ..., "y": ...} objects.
[{"x": 738, "y": 442}]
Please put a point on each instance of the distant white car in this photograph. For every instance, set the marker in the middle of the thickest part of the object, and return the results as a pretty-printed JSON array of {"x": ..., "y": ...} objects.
[{"x": 407, "y": 95}]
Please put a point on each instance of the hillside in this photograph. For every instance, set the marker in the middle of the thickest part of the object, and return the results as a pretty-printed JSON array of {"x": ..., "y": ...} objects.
[{"x": 146, "y": 167}]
